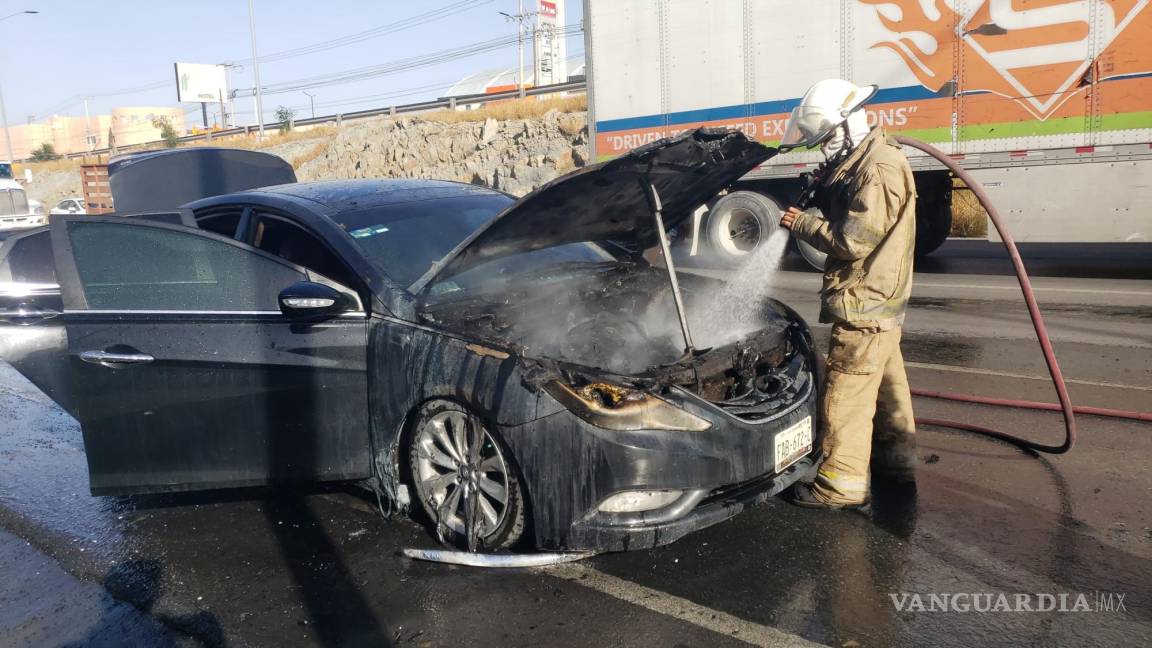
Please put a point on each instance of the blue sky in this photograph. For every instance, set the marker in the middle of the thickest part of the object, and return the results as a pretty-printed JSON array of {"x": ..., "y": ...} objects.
[{"x": 76, "y": 48}]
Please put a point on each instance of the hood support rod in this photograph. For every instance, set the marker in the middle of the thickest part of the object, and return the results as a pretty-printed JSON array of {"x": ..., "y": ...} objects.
[{"x": 666, "y": 252}]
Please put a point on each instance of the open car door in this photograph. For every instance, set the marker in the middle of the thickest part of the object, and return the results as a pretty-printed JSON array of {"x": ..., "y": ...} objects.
[{"x": 186, "y": 374}]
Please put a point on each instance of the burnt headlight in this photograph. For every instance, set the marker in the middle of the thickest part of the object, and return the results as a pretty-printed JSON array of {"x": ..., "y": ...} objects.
[{"x": 616, "y": 407}]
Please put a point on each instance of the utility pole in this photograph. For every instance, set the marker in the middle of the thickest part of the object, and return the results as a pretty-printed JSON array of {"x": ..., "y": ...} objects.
[
  {"x": 520, "y": 18},
  {"x": 256, "y": 70},
  {"x": 311, "y": 102},
  {"x": 88, "y": 127},
  {"x": 7, "y": 133},
  {"x": 3, "y": 109},
  {"x": 230, "y": 118}
]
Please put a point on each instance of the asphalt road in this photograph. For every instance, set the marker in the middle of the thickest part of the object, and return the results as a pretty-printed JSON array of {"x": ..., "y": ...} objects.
[{"x": 319, "y": 566}]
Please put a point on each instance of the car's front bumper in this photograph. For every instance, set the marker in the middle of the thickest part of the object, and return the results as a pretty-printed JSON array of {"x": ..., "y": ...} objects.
[
  {"x": 717, "y": 506},
  {"x": 570, "y": 467}
]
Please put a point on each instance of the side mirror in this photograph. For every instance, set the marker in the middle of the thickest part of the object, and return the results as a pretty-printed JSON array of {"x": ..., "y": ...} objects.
[{"x": 308, "y": 299}]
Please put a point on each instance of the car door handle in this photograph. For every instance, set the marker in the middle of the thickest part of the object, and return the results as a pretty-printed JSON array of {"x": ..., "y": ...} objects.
[{"x": 115, "y": 360}]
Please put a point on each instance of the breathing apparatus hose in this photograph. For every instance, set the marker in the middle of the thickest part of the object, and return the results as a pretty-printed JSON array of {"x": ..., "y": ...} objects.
[{"x": 1065, "y": 406}]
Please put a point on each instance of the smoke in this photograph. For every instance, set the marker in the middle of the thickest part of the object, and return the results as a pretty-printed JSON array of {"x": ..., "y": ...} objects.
[
  {"x": 622, "y": 320},
  {"x": 736, "y": 310}
]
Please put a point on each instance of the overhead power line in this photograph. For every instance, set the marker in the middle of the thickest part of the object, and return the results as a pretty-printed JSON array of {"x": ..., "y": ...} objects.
[
  {"x": 397, "y": 66},
  {"x": 376, "y": 32},
  {"x": 420, "y": 19}
]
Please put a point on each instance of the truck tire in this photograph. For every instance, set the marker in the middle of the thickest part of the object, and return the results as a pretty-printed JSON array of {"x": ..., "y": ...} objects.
[
  {"x": 737, "y": 224},
  {"x": 933, "y": 212}
]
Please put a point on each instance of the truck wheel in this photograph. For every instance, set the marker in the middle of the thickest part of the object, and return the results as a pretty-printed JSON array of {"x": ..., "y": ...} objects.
[
  {"x": 738, "y": 223},
  {"x": 933, "y": 219},
  {"x": 932, "y": 227}
]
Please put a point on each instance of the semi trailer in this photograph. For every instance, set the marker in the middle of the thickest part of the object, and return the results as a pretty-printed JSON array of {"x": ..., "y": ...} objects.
[{"x": 1048, "y": 102}]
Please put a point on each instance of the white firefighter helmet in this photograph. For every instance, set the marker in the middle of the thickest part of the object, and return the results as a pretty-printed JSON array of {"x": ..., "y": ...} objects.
[{"x": 827, "y": 105}]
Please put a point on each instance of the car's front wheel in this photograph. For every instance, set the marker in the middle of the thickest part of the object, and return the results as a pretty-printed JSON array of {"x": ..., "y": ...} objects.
[{"x": 465, "y": 479}]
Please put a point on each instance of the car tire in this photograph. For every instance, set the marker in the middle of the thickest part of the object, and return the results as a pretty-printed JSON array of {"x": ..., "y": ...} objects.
[
  {"x": 737, "y": 224},
  {"x": 442, "y": 433}
]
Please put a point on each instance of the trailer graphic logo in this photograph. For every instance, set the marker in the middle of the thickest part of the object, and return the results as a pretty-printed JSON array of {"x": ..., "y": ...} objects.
[{"x": 1036, "y": 53}]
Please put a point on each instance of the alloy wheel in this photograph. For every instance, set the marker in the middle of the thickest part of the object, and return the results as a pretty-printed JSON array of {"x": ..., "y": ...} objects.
[{"x": 461, "y": 476}]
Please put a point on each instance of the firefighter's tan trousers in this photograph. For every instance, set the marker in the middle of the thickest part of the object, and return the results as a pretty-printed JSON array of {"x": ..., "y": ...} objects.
[{"x": 865, "y": 388}]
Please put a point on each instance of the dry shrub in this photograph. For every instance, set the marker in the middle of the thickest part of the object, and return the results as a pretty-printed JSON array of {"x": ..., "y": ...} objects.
[
  {"x": 525, "y": 108},
  {"x": 271, "y": 138},
  {"x": 969, "y": 220},
  {"x": 311, "y": 154},
  {"x": 50, "y": 167}
]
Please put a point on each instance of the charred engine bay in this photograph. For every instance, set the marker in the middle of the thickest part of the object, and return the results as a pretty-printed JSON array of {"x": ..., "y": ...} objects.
[{"x": 619, "y": 319}]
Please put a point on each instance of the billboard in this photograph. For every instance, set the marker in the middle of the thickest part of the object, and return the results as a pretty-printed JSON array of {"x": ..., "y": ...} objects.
[
  {"x": 550, "y": 66},
  {"x": 201, "y": 82}
]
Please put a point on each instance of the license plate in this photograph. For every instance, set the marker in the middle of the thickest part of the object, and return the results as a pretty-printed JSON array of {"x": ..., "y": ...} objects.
[{"x": 793, "y": 443}]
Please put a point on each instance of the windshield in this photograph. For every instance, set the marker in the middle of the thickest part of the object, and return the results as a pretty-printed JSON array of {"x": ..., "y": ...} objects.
[
  {"x": 493, "y": 275},
  {"x": 405, "y": 239}
]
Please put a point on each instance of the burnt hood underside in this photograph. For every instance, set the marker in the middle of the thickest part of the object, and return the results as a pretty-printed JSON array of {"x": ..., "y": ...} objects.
[{"x": 610, "y": 200}]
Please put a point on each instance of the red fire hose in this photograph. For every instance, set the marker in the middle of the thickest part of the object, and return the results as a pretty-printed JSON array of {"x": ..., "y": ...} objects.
[{"x": 1069, "y": 411}]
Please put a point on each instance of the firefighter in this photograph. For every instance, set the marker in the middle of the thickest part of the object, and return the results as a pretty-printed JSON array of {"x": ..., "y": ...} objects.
[{"x": 867, "y": 227}]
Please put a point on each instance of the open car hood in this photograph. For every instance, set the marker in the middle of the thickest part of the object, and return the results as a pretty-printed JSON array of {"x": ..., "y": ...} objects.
[{"x": 610, "y": 200}]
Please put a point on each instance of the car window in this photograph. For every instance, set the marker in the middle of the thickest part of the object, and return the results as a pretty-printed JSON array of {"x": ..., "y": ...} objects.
[
  {"x": 289, "y": 241},
  {"x": 64, "y": 204},
  {"x": 223, "y": 223},
  {"x": 405, "y": 239},
  {"x": 30, "y": 260},
  {"x": 133, "y": 267}
]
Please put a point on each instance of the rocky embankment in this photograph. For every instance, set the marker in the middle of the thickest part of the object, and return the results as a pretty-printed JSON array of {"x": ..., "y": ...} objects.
[{"x": 512, "y": 155}]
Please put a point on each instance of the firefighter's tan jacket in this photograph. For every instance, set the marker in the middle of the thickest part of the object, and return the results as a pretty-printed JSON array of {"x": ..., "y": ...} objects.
[{"x": 868, "y": 234}]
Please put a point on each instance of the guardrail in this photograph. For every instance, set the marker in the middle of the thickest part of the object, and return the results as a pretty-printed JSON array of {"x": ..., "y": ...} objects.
[{"x": 338, "y": 118}]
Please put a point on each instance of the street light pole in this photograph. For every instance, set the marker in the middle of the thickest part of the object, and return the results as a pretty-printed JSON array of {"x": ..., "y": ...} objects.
[
  {"x": 3, "y": 108},
  {"x": 311, "y": 102},
  {"x": 256, "y": 69},
  {"x": 520, "y": 18}
]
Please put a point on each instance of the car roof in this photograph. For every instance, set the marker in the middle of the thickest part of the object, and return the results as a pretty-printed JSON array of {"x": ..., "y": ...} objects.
[{"x": 346, "y": 195}]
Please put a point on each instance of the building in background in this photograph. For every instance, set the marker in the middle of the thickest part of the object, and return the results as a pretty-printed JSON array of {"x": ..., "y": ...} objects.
[
  {"x": 549, "y": 50},
  {"x": 503, "y": 80},
  {"x": 136, "y": 125},
  {"x": 67, "y": 135}
]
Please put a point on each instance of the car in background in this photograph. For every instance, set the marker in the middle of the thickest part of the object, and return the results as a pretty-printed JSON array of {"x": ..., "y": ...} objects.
[
  {"x": 15, "y": 211},
  {"x": 484, "y": 360},
  {"x": 69, "y": 206}
]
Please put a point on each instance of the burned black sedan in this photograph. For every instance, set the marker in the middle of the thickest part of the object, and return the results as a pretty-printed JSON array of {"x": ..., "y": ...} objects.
[{"x": 518, "y": 371}]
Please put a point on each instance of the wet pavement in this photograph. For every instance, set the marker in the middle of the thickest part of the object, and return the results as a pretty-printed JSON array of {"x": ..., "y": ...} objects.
[{"x": 319, "y": 566}]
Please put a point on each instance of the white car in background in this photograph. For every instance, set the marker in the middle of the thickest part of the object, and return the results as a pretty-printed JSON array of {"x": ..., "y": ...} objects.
[{"x": 70, "y": 206}]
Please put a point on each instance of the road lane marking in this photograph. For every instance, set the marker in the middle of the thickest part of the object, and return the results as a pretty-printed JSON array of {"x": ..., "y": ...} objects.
[
  {"x": 1007, "y": 374},
  {"x": 676, "y": 607}
]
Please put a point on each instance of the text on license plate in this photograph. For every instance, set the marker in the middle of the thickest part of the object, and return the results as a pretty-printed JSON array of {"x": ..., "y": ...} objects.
[{"x": 793, "y": 443}]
